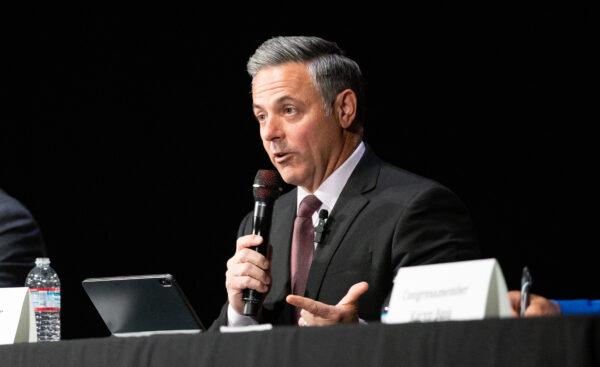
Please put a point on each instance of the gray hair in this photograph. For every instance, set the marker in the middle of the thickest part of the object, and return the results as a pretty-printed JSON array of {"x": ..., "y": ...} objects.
[{"x": 331, "y": 71}]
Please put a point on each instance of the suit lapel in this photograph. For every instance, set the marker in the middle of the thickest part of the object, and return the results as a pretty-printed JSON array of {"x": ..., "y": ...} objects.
[
  {"x": 281, "y": 239},
  {"x": 348, "y": 206},
  {"x": 338, "y": 225}
]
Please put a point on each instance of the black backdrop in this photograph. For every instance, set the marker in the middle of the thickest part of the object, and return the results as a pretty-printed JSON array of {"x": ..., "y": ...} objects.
[{"x": 129, "y": 135}]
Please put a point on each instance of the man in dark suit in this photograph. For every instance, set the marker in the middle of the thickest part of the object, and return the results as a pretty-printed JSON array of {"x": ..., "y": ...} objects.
[
  {"x": 309, "y": 104},
  {"x": 20, "y": 242}
]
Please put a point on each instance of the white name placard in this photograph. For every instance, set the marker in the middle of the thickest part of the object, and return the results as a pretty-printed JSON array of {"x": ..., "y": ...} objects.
[
  {"x": 464, "y": 290},
  {"x": 17, "y": 320}
]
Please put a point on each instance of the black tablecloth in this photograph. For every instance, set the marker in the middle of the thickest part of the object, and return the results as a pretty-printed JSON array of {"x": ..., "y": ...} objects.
[{"x": 564, "y": 341}]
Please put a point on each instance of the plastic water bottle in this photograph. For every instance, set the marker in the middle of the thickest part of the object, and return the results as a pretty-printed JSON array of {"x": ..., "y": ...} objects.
[{"x": 44, "y": 286}]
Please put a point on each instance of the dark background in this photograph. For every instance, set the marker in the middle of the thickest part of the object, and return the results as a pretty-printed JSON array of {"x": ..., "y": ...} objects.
[{"x": 129, "y": 134}]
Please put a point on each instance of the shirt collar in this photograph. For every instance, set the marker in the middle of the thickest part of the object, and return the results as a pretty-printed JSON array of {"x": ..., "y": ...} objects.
[{"x": 329, "y": 191}]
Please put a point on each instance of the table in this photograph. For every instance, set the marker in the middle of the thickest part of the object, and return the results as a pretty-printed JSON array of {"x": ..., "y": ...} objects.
[{"x": 559, "y": 341}]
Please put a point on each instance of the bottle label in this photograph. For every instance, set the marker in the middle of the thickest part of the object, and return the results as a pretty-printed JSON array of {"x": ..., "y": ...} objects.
[{"x": 45, "y": 299}]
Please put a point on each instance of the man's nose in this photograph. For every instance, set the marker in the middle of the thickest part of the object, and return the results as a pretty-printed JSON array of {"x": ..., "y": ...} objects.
[{"x": 271, "y": 129}]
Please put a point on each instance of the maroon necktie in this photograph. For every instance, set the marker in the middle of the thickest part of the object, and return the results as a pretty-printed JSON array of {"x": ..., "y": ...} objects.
[{"x": 303, "y": 243}]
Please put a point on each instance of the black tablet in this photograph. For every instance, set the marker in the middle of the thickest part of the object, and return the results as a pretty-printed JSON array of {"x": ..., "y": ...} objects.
[{"x": 142, "y": 305}]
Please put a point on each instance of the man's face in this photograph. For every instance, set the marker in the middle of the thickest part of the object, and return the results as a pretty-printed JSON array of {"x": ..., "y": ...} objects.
[{"x": 302, "y": 142}]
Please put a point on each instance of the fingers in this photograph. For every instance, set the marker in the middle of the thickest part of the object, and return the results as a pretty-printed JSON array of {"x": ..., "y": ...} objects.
[
  {"x": 250, "y": 257},
  {"x": 354, "y": 293},
  {"x": 541, "y": 306},
  {"x": 318, "y": 313},
  {"x": 244, "y": 253},
  {"x": 538, "y": 305},
  {"x": 238, "y": 283},
  {"x": 327, "y": 316},
  {"x": 514, "y": 298},
  {"x": 302, "y": 322},
  {"x": 316, "y": 308},
  {"x": 244, "y": 276},
  {"x": 246, "y": 269},
  {"x": 250, "y": 240},
  {"x": 319, "y": 308}
]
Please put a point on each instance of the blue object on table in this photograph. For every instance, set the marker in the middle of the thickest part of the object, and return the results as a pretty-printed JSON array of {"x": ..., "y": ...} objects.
[{"x": 579, "y": 306}]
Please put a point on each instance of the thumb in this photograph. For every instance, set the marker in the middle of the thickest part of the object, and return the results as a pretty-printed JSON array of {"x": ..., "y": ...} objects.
[{"x": 354, "y": 293}]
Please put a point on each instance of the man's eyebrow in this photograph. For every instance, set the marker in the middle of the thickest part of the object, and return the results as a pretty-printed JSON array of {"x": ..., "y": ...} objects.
[{"x": 279, "y": 100}]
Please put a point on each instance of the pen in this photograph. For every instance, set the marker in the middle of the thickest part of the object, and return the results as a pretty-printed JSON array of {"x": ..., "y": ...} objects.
[{"x": 526, "y": 283}]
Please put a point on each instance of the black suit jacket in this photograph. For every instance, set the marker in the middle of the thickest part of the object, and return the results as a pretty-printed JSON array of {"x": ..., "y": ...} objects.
[
  {"x": 385, "y": 218},
  {"x": 20, "y": 242}
]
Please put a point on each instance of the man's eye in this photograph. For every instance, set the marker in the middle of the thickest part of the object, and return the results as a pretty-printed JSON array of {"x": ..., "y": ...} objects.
[
  {"x": 261, "y": 117},
  {"x": 289, "y": 109}
]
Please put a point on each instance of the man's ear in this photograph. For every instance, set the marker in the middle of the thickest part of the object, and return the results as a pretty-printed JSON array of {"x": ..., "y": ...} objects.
[{"x": 345, "y": 107}]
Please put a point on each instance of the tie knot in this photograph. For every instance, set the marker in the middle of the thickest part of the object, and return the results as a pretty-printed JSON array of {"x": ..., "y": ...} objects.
[{"x": 308, "y": 206}]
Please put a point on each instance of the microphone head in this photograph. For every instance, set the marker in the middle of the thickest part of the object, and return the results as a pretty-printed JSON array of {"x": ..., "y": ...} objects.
[
  {"x": 323, "y": 214},
  {"x": 267, "y": 185}
]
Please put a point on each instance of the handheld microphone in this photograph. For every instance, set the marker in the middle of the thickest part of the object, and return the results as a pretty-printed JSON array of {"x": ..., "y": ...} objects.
[
  {"x": 320, "y": 229},
  {"x": 266, "y": 188}
]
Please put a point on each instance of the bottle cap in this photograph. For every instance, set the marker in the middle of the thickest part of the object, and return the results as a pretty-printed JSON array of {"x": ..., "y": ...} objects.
[{"x": 41, "y": 261}]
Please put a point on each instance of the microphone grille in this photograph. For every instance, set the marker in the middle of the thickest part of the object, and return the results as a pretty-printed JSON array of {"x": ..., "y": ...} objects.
[
  {"x": 323, "y": 214},
  {"x": 267, "y": 185}
]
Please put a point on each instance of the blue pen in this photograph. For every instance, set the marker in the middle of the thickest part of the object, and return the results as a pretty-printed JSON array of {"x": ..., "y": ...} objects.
[{"x": 526, "y": 283}]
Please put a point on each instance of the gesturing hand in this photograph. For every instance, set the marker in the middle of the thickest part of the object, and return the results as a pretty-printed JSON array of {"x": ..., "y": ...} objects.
[{"x": 316, "y": 313}]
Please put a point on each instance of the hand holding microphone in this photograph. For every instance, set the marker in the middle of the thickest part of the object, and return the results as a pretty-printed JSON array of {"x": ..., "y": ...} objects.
[{"x": 247, "y": 273}]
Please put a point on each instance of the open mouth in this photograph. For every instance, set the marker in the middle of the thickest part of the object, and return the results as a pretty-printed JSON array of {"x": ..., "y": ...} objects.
[{"x": 281, "y": 157}]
